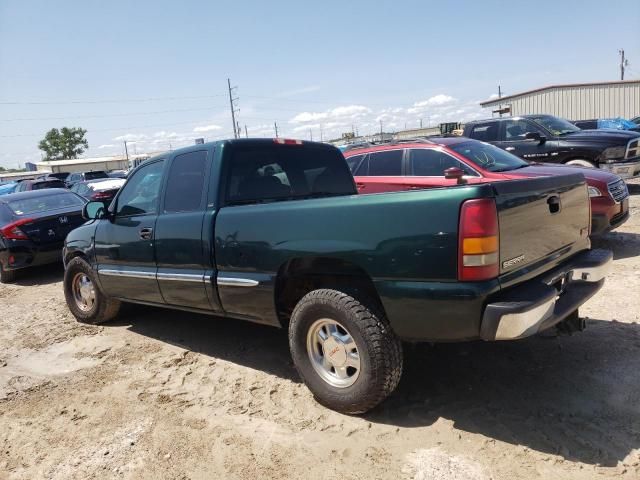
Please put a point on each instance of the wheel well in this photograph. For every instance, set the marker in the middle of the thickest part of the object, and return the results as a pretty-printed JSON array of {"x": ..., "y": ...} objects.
[
  {"x": 299, "y": 276},
  {"x": 73, "y": 255},
  {"x": 580, "y": 157}
]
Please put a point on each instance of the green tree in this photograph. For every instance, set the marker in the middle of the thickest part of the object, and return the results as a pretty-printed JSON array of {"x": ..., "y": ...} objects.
[{"x": 63, "y": 143}]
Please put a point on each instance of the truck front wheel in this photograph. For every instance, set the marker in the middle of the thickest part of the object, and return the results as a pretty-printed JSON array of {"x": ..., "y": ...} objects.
[
  {"x": 344, "y": 350},
  {"x": 85, "y": 300},
  {"x": 580, "y": 162}
]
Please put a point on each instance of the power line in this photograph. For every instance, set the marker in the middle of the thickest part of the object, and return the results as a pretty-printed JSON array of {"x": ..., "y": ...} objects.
[
  {"x": 111, "y": 115},
  {"x": 130, "y": 100}
]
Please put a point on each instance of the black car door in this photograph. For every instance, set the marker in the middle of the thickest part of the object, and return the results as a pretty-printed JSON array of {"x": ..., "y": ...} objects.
[
  {"x": 513, "y": 139},
  {"x": 124, "y": 245}
]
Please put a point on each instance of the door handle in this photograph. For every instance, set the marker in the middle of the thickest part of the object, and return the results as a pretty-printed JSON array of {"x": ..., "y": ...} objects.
[
  {"x": 360, "y": 185},
  {"x": 414, "y": 187},
  {"x": 510, "y": 149},
  {"x": 146, "y": 233}
]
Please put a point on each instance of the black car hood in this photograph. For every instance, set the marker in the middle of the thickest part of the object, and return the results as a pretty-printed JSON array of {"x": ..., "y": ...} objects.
[{"x": 605, "y": 136}]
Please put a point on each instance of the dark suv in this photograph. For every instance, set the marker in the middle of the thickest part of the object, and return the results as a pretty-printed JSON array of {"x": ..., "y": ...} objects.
[
  {"x": 547, "y": 138},
  {"x": 76, "y": 177}
]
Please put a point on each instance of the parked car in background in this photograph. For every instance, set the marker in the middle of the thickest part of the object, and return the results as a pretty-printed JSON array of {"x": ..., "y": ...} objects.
[
  {"x": 547, "y": 138},
  {"x": 28, "y": 185},
  {"x": 102, "y": 190},
  {"x": 611, "y": 123},
  {"x": 272, "y": 231},
  {"x": 8, "y": 188},
  {"x": 33, "y": 226},
  {"x": 76, "y": 177},
  {"x": 58, "y": 175},
  {"x": 117, "y": 174},
  {"x": 636, "y": 120},
  {"x": 413, "y": 165}
]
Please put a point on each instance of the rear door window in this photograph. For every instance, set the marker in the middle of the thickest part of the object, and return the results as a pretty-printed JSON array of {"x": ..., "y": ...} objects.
[
  {"x": 354, "y": 162},
  {"x": 186, "y": 182},
  {"x": 286, "y": 172},
  {"x": 384, "y": 164},
  {"x": 43, "y": 203},
  {"x": 485, "y": 132}
]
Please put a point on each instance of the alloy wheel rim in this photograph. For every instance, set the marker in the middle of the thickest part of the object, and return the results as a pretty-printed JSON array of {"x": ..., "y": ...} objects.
[
  {"x": 333, "y": 353},
  {"x": 84, "y": 292}
]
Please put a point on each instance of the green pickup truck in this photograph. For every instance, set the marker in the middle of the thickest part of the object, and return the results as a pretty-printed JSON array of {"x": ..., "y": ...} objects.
[{"x": 273, "y": 231}]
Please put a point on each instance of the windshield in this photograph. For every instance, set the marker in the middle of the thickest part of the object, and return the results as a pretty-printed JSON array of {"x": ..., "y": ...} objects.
[
  {"x": 29, "y": 206},
  {"x": 488, "y": 157},
  {"x": 557, "y": 126}
]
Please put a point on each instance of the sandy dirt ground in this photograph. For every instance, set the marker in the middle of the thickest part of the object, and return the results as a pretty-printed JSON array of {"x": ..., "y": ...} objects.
[{"x": 171, "y": 395}]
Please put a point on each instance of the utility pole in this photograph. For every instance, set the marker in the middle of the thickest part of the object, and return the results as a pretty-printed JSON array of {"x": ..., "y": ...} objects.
[
  {"x": 500, "y": 96},
  {"x": 380, "y": 129},
  {"x": 623, "y": 63},
  {"x": 311, "y": 135},
  {"x": 126, "y": 151},
  {"x": 321, "y": 134},
  {"x": 275, "y": 125},
  {"x": 232, "y": 101},
  {"x": 420, "y": 123},
  {"x": 246, "y": 132}
]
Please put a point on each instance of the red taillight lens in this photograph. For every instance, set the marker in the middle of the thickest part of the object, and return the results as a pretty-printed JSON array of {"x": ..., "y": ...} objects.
[
  {"x": 478, "y": 248},
  {"x": 100, "y": 196},
  {"x": 12, "y": 230}
]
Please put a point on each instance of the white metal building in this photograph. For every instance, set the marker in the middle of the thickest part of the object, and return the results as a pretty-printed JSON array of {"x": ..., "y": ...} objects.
[{"x": 579, "y": 101}]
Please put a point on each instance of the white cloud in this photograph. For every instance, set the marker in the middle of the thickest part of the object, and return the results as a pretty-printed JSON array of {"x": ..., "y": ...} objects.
[
  {"x": 106, "y": 146},
  {"x": 299, "y": 91},
  {"x": 131, "y": 137},
  {"x": 440, "y": 99},
  {"x": 163, "y": 134},
  {"x": 344, "y": 112}
]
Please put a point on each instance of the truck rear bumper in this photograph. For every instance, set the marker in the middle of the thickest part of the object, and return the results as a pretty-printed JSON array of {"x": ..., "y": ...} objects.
[{"x": 545, "y": 301}]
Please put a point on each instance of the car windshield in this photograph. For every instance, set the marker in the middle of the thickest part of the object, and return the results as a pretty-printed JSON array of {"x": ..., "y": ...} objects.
[
  {"x": 488, "y": 157},
  {"x": 556, "y": 125},
  {"x": 43, "y": 203},
  {"x": 94, "y": 175}
]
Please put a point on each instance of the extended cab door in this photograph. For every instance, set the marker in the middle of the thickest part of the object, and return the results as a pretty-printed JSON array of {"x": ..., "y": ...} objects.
[
  {"x": 513, "y": 139},
  {"x": 124, "y": 245},
  {"x": 184, "y": 234}
]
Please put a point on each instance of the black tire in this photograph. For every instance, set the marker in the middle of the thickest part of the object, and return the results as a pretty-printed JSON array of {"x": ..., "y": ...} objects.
[
  {"x": 379, "y": 350},
  {"x": 103, "y": 308},
  {"x": 7, "y": 276}
]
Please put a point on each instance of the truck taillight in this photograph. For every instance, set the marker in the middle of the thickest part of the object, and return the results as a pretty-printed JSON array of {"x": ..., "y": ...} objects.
[
  {"x": 287, "y": 141},
  {"x": 479, "y": 243},
  {"x": 12, "y": 230}
]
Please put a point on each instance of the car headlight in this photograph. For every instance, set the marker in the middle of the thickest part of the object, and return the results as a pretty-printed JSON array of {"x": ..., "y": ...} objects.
[
  {"x": 594, "y": 192},
  {"x": 613, "y": 153}
]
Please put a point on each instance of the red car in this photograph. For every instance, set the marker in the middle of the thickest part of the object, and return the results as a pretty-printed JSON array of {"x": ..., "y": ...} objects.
[{"x": 419, "y": 164}]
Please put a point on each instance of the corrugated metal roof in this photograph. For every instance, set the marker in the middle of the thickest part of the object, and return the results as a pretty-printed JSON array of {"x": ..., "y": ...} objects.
[{"x": 496, "y": 101}]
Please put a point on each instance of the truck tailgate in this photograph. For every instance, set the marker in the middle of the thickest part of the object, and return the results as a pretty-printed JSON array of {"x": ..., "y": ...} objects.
[{"x": 541, "y": 219}]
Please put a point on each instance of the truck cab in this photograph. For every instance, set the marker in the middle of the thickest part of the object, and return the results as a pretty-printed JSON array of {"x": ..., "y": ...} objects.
[{"x": 545, "y": 138}]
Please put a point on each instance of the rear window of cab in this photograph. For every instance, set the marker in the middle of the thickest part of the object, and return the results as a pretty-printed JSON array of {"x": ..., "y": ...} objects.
[{"x": 44, "y": 203}]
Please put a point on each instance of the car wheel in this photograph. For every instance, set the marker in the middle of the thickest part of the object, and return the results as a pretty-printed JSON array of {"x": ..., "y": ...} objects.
[
  {"x": 344, "y": 350},
  {"x": 84, "y": 298},
  {"x": 579, "y": 162},
  {"x": 7, "y": 276}
]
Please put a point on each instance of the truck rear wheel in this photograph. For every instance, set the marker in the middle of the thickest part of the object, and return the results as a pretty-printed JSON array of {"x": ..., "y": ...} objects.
[
  {"x": 344, "y": 350},
  {"x": 85, "y": 300}
]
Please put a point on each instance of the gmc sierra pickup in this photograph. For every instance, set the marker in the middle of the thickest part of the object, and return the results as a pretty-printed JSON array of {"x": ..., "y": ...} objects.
[{"x": 273, "y": 231}]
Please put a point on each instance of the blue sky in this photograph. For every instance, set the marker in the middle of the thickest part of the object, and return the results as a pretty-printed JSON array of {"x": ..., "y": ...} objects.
[{"x": 154, "y": 72}]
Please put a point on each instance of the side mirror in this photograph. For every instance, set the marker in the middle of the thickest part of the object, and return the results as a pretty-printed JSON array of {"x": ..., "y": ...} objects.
[
  {"x": 455, "y": 173},
  {"x": 535, "y": 136},
  {"x": 93, "y": 211}
]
